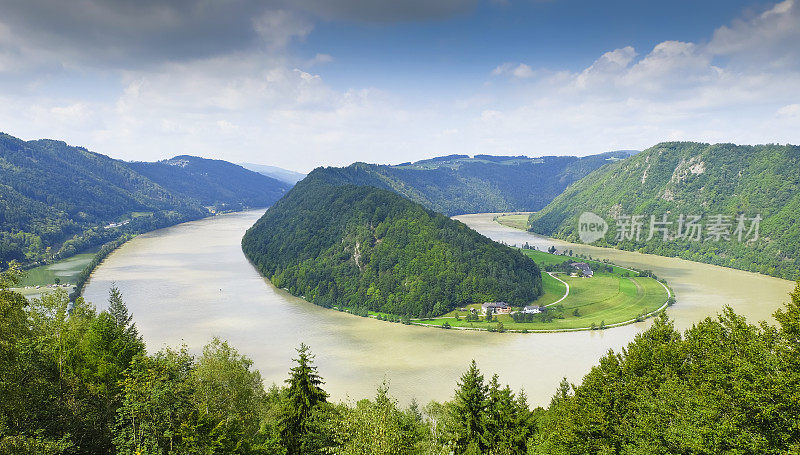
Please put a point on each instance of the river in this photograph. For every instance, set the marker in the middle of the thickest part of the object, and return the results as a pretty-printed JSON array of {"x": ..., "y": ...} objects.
[{"x": 191, "y": 282}]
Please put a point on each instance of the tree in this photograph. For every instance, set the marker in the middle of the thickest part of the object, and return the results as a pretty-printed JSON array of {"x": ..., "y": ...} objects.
[
  {"x": 119, "y": 311},
  {"x": 156, "y": 404},
  {"x": 228, "y": 390},
  {"x": 467, "y": 410},
  {"x": 378, "y": 427},
  {"x": 302, "y": 396},
  {"x": 506, "y": 420}
]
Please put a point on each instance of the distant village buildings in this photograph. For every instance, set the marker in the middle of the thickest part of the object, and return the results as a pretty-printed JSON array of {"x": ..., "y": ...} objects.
[
  {"x": 533, "y": 309},
  {"x": 496, "y": 308},
  {"x": 583, "y": 268}
]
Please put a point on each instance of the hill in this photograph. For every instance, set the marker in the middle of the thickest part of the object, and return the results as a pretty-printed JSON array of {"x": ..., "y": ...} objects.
[
  {"x": 458, "y": 184},
  {"x": 703, "y": 180},
  {"x": 213, "y": 182},
  {"x": 284, "y": 175},
  {"x": 367, "y": 248},
  {"x": 57, "y": 200}
]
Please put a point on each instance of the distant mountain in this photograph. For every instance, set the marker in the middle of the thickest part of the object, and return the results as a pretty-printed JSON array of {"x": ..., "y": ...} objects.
[
  {"x": 213, "y": 182},
  {"x": 705, "y": 180},
  {"x": 370, "y": 249},
  {"x": 56, "y": 199},
  {"x": 458, "y": 184},
  {"x": 284, "y": 175}
]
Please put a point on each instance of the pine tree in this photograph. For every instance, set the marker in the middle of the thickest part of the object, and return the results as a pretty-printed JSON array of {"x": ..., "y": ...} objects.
[
  {"x": 468, "y": 408},
  {"x": 117, "y": 308},
  {"x": 302, "y": 396}
]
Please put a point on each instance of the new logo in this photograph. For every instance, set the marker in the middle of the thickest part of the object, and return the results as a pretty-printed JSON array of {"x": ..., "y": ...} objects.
[{"x": 591, "y": 227}]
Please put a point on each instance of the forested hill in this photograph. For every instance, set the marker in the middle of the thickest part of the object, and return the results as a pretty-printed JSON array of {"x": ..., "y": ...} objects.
[
  {"x": 458, "y": 184},
  {"x": 56, "y": 200},
  {"x": 213, "y": 182},
  {"x": 370, "y": 249},
  {"x": 686, "y": 178}
]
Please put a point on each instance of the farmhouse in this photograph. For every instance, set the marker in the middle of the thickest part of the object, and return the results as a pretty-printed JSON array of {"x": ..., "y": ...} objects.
[
  {"x": 533, "y": 309},
  {"x": 496, "y": 307},
  {"x": 584, "y": 268}
]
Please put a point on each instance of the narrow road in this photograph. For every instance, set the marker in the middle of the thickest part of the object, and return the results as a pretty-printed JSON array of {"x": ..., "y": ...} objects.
[{"x": 565, "y": 284}]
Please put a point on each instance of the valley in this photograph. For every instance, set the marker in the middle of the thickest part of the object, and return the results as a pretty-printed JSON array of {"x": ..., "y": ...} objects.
[{"x": 195, "y": 276}]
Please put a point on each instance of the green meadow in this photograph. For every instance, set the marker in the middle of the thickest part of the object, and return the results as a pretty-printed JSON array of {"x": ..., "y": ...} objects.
[
  {"x": 516, "y": 221},
  {"x": 608, "y": 297},
  {"x": 66, "y": 270}
]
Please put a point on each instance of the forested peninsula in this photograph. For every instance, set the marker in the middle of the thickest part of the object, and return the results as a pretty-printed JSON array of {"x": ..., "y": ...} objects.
[{"x": 366, "y": 248}]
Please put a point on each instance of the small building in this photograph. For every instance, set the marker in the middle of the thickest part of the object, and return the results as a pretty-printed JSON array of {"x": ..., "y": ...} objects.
[
  {"x": 496, "y": 308},
  {"x": 533, "y": 309},
  {"x": 584, "y": 268}
]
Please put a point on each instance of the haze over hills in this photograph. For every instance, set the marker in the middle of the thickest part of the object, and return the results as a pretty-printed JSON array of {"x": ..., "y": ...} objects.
[
  {"x": 706, "y": 180},
  {"x": 284, "y": 175},
  {"x": 458, "y": 184},
  {"x": 367, "y": 248},
  {"x": 56, "y": 200}
]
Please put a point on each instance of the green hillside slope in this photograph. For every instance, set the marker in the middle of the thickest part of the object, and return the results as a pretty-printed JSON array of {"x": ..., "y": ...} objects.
[
  {"x": 685, "y": 178},
  {"x": 213, "y": 182},
  {"x": 458, "y": 184},
  {"x": 56, "y": 200},
  {"x": 370, "y": 249}
]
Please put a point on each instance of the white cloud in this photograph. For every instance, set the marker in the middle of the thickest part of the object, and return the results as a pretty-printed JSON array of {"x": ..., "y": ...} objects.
[
  {"x": 519, "y": 71},
  {"x": 771, "y": 37},
  {"x": 319, "y": 59},
  {"x": 677, "y": 90},
  {"x": 790, "y": 110},
  {"x": 262, "y": 105}
]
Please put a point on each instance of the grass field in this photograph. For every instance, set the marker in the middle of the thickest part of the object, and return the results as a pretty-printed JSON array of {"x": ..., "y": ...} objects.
[
  {"x": 66, "y": 270},
  {"x": 604, "y": 299},
  {"x": 517, "y": 221}
]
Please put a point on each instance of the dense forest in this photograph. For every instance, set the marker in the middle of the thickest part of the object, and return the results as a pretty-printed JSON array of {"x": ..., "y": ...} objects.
[
  {"x": 56, "y": 200},
  {"x": 366, "y": 248},
  {"x": 720, "y": 188},
  {"x": 458, "y": 184},
  {"x": 74, "y": 380}
]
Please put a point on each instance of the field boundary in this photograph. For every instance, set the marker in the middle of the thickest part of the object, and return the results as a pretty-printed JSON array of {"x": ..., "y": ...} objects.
[{"x": 574, "y": 329}]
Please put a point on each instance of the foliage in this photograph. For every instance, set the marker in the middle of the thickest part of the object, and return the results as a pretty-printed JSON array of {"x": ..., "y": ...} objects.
[
  {"x": 57, "y": 200},
  {"x": 694, "y": 179},
  {"x": 369, "y": 249},
  {"x": 79, "y": 381},
  {"x": 457, "y": 184},
  {"x": 302, "y": 397}
]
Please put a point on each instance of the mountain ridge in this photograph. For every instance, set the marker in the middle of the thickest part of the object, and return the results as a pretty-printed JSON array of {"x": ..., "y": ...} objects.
[
  {"x": 698, "y": 179},
  {"x": 458, "y": 184},
  {"x": 57, "y": 199}
]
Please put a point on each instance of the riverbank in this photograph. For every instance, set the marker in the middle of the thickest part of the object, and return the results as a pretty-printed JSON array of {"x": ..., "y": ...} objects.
[
  {"x": 72, "y": 273},
  {"x": 189, "y": 283},
  {"x": 611, "y": 296}
]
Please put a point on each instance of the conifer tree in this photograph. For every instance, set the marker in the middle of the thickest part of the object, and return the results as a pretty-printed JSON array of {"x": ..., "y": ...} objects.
[
  {"x": 468, "y": 408},
  {"x": 302, "y": 396}
]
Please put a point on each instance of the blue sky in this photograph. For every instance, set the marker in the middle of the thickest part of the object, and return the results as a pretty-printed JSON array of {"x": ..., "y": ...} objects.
[
  {"x": 304, "y": 83},
  {"x": 552, "y": 34}
]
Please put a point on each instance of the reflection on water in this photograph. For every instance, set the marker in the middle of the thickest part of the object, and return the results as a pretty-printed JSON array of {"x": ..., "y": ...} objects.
[{"x": 191, "y": 282}]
